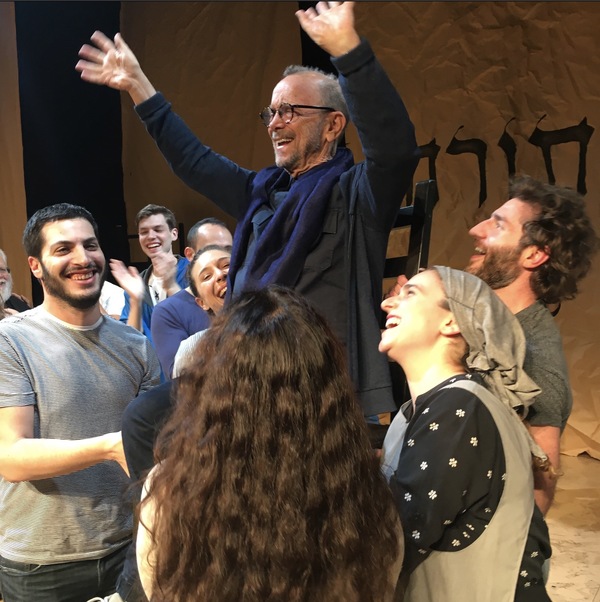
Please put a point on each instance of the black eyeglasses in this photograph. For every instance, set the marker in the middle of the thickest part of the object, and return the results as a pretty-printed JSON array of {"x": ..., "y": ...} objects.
[{"x": 286, "y": 112}]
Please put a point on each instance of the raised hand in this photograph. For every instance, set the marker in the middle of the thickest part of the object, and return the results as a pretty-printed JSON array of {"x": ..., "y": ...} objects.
[
  {"x": 331, "y": 26},
  {"x": 128, "y": 279},
  {"x": 113, "y": 64},
  {"x": 164, "y": 266}
]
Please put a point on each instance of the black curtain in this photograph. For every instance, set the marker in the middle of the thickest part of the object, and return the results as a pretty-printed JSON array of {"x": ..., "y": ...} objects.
[{"x": 71, "y": 129}]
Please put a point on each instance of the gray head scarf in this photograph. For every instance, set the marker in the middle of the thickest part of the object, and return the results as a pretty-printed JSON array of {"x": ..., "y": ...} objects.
[{"x": 495, "y": 339}]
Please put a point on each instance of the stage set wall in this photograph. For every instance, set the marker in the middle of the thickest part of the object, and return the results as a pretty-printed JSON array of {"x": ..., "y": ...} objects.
[{"x": 468, "y": 73}]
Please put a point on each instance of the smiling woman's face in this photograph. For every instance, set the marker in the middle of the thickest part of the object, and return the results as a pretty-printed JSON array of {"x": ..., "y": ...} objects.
[
  {"x": 415, "y": 317},
  {"x": 210, "y": 277}
]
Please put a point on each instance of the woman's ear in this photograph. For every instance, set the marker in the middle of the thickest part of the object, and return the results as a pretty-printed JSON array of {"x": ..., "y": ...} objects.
[
  {"x": 450, "y": 326},
  {"x": 200, "y": 303}
]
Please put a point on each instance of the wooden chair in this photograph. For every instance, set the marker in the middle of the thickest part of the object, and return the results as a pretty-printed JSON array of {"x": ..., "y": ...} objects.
[{"x": 418, "y": 218}]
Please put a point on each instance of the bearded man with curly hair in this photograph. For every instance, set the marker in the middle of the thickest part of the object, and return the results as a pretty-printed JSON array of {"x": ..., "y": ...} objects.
[{"x": 534, "y": 251}]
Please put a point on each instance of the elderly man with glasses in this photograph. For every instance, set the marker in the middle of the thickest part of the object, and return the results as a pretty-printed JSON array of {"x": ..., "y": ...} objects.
[
  {"x": 315, "y": 221},
  {"x": 12, "y": 303}
]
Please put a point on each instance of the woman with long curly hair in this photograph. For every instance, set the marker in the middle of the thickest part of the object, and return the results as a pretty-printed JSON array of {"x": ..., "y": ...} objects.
[{"x": 266, "y": 487}]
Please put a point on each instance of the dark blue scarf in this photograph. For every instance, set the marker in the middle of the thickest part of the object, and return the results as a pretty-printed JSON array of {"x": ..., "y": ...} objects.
[{"x": 281, "y": 250}]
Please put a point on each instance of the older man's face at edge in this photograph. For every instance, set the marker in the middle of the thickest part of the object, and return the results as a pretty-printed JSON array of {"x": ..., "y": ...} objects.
[
  {"x": 300, "y": 144},
  {"x": 5, "y": 280}
]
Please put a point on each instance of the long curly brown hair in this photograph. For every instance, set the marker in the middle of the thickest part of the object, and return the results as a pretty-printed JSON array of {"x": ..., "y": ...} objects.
[
  {"x": 561, "y": 227},
  {"x": 268, "y": 489}
]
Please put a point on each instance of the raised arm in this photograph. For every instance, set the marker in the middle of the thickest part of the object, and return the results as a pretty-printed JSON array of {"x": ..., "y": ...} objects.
[
  {"x": 24, "y": 458},
  {"x": 386, "y": 133},
  {"x": 113, "y": 64}
]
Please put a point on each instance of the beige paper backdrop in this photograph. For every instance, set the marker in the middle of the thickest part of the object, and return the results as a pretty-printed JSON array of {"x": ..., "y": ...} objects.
[{"x": 472, "y": 64}]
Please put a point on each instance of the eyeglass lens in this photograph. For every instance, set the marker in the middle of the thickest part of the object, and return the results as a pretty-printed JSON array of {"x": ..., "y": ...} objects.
[{"x": 285, "y": 112}]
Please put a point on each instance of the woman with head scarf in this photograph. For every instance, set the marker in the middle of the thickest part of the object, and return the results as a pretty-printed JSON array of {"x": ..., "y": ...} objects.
[
  {"x": 267, "y": 489},
  {"x": 457, "y": 456}
]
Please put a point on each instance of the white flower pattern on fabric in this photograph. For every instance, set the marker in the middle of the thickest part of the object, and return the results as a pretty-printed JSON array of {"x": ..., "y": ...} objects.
[
  {"x": 504, "y": 477},
  {"x": 427, "y": 465},
  {"x": 523, "y": 573},
  {"x": 489, "y": 474}
]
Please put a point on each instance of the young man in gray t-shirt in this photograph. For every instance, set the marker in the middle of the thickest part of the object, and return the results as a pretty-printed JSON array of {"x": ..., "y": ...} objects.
[{"x": 66, "y": 374}]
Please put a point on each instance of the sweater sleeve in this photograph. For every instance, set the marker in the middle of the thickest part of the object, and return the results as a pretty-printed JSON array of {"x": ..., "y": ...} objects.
[
  {"x": 216, "y": 177},
  {"x": 173, "y": 322},
  {"x": 386, "y": 134}
]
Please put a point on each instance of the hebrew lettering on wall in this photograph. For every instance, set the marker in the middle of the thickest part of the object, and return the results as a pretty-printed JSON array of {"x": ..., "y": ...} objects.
[
  {"x": 546, "y": 139},
  {"x": 509, "y": 146},
  {"x": 479, "y": 148},
  {"x": 430, "y": 152}
]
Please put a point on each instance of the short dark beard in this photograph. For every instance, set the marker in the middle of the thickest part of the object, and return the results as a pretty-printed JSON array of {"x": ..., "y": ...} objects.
[
  {"x": 53, "y": 287},
  {"x": 499, "y": 267}
]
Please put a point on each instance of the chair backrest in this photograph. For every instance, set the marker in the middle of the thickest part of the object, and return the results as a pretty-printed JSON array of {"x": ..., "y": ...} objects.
[{"x": 418, "y": 218}]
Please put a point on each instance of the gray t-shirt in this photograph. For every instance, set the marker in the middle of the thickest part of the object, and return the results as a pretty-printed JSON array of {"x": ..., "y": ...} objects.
[
  {"x": 545, "y": 363},
  {"x": 79, "y": 380}
]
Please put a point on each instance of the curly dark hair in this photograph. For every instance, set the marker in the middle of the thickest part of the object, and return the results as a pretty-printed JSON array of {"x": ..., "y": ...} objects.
[
  {"x": 563, "y": 229},
  {"x": 268, "y": 489}
]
